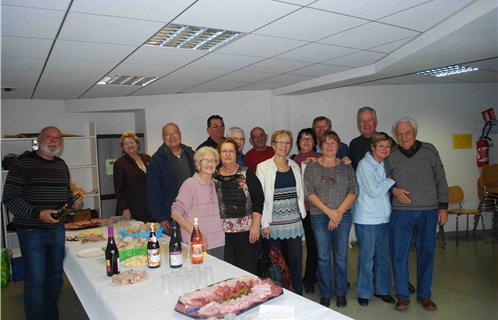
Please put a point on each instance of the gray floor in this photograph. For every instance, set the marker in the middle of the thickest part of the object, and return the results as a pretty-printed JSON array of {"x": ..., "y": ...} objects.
[{"x": 465, "y": 287}]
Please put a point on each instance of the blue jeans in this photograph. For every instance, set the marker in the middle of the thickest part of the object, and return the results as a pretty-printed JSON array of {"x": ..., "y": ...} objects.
[
  {"x": 43, "y": 254},
  {"x": 374, "y": 250},
  {"x": 327, "y": 240},
  {"x": 401, "y": 228}
]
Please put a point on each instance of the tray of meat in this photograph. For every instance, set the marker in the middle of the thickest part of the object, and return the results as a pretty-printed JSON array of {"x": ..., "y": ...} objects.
[
  {"x": 85, "y": 224},
  {"x": 234, "y": 295},
  {"x": 129, "y": 277}
]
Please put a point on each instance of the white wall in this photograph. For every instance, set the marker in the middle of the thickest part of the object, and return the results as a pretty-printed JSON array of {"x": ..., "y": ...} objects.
[{"x": 441, "y": 111}]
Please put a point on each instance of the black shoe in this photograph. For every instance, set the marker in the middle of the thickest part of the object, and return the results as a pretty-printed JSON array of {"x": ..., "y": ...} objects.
[
  {"x": 341, "y": 301},
  {"x": 386, "y": 298},
  {"x": 411, "y": 288},
  {"x": 325, "y": 301},
  {"x": 309, "y": 288},
  {"x": 363, "y": 302}
]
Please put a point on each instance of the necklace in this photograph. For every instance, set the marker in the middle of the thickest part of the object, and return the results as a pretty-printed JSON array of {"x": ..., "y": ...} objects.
[{"x": 326, "y": 176}]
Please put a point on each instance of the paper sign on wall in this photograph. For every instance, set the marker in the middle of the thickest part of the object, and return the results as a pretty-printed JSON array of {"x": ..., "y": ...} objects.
[
  {"x": 462, "y": 141},
  {"x": 109, "y": 166}
]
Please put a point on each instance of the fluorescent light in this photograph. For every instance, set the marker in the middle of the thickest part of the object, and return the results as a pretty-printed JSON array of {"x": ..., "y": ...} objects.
[
  {"x": 190, "y": 37},
  {"x": 447, "y": 71},
  {"x": 126, "y": 80}
]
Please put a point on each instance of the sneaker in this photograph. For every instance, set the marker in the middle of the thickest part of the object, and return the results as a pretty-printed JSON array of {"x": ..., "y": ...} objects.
[{"x": 385, "y": 297}]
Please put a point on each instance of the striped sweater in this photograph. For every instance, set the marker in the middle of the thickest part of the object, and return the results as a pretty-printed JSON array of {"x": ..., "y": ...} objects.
[{"x": 34, "y": 184}]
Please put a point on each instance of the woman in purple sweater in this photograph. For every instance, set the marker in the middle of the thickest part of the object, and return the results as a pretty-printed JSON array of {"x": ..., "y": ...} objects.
[{"x": 197, "y": 198}]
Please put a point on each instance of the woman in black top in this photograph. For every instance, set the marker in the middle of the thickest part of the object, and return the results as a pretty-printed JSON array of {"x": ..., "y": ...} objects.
[
  {"x": 130, "y": 180},
  {"x": 241, "y": 199}
]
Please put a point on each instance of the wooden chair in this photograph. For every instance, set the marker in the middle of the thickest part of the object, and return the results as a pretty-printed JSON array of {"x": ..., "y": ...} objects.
[
  {"x": 487, "y": 190},
  {"x": 455, "y": 196}
]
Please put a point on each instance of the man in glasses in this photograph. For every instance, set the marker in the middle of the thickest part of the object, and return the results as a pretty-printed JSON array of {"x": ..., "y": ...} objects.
[{"x": 215, "y": 130}]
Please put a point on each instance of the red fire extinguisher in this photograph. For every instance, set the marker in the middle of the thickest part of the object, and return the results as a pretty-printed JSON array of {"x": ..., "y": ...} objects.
[{"x": 482, "y": 145}]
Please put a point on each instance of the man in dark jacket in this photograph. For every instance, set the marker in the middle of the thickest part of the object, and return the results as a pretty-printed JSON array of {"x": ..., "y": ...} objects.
[{"x": 172, "y": 164}]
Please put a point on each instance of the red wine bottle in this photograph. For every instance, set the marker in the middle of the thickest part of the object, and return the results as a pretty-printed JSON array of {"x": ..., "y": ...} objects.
[
  {"x": 65, "y": 208},
  {"x": 175, "y": 248},
  {"x": 111, "y": 254},
  {"x": 153, "y": 250}
]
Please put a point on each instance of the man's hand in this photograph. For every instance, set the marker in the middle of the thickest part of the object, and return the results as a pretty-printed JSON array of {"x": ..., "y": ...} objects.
[
  {"x": 346, "y": 160},
  {"x": 443, "y": 216},
  {"x": 166, "y": 226},
  {"x": 402, "y": 195},
  {"x": 46, "y": 216},
  {"x": 126, "y": 214}
]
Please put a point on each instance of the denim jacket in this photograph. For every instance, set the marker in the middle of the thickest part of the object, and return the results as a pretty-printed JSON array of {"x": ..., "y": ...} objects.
[{"x": 372, "y": 205}]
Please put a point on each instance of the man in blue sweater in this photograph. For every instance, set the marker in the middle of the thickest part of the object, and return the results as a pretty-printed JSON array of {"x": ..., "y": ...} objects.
[
  {"x": 172, "y": 164},
  {"x": 420, "y": 201}
]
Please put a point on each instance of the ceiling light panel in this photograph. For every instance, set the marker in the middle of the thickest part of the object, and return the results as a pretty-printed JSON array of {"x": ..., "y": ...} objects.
[
  {"x": 191, "y": 37},
  {"x": 139, "y": 81},
  {"x": 447, "y": 71}
]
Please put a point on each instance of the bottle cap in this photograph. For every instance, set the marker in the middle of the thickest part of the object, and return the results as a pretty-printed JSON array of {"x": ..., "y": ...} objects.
[
  {"x": 110, "y": 231},
  {"x": 196, "y": 220}
]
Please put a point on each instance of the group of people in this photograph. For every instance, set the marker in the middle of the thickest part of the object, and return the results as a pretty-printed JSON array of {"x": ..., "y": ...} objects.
[{"x": 391, "y": 192}]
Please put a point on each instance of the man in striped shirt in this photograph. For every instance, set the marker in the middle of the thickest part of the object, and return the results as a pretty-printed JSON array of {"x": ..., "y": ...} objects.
[{"x": 38, "y": 184}]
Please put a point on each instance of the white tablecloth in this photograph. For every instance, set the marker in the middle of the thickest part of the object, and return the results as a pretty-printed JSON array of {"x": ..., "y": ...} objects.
[{"x": 156, "y": 297}]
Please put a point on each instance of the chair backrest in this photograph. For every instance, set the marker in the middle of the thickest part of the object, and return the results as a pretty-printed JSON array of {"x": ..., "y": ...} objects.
[
  {"x": 488, "y": 178},
  {"x": 455, "y": 194}
]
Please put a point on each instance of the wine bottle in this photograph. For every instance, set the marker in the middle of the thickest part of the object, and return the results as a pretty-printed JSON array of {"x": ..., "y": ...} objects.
[
  {"x": 196, "y": 243},
  {"x": 175, "y": 248},
  {"x": 65, "y": 208},
  {"x": 111, "y": 254},
  {"x": 153, "y": 250}
]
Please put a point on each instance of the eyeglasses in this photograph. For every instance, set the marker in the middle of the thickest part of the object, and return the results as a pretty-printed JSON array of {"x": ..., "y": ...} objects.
[
  {"x": 283, "y": 143},
  {"x": 309, "y": 139},
  {"x": 208, "y": 161},
  {"x": 130, "y": 143},
  {"x": 172, "y": 135}
]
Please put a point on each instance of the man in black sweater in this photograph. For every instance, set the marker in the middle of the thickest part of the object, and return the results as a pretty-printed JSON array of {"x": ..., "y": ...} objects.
[{"x": 36, "y": 185}]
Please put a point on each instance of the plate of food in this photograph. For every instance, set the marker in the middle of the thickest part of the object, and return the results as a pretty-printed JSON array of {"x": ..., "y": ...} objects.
[
  {"x": 90, "y": 253},
  {"x": 129, "y": 278},
  {"x": 235, "y": 296},
  {"x": 135, "y": 261},
  {"x": 84, "y": 224}
]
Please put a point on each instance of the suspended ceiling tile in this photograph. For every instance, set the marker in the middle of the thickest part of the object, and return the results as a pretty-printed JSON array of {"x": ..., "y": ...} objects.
[
  {"x": 19, "y": 81},
  {"x": 318, "y": 70},
  {"x": 214, "y": 85},
  {"x": 489, "y": 65},
  {"x": 316, "y": 52},
  {"x": 166, "y": 86},
  {"x": 410, "y": 79},
  {"x": 225, "y": 61},
  {"x": 59, "y": 92},
  {"x": 61, "y": 5},
  {"x": 309, "y": 25},
  {"x": 164, "y": 56},
  {"x": 30, "y": 22},
  {"x": 392, "y": 46},
  {"x": 477, "y": 76},
  {"x": 76, "y": 50},
  {"x": 276, "y": 66},
  {"x": 369, "y": 9},
  {"x": 198, "y": 74},
  {"x": 85, "y": 80},
  {"x": 78, "y": 66},
  {"x": 297, "y": 2},
  {"x": 427, "y": 15},
  {"x": 369, "y": 35},
  {"x": 261, "y": 46},
  {"x": 108, "y": 91},
  {"x": 105, "y": 29},
  {"x": 246, "y": 76},
  {"x": 139, "y": 69},
  {"x": 357, "y": 59},
  {"x": 25, "y": 47},
  {"x": 18, "y": 64},
  {"x": 235, "y": 15},
  {"x": 158, "y": 10}
]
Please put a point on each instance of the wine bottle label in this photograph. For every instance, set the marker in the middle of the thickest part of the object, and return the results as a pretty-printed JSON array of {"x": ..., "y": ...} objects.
[
  {"x": 154, "y": 257},
  {"x": 175, "y": 258},
  {"x": 197, "y": 253}
]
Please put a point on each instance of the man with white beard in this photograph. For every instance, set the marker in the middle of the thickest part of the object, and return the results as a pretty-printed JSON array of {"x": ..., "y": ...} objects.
[{"x": 36, "y": 186}]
